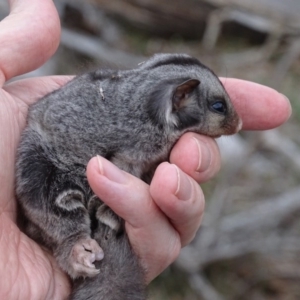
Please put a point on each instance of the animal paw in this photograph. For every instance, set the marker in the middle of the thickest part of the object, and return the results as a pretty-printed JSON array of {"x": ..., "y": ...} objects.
[{"x": 83, "y": 255}]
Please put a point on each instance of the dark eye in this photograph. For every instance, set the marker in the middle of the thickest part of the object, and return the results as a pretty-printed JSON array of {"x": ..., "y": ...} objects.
[{"x": 219, "y": 107}]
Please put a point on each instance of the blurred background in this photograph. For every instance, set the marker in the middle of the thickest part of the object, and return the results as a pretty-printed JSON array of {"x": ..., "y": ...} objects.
[{"x": 249, "y": 244}]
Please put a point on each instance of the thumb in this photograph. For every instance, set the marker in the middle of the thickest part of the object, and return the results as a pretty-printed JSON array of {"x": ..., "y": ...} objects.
[
  {"x": 124, "y": 193},
  {"x": 28, "y": 37}
]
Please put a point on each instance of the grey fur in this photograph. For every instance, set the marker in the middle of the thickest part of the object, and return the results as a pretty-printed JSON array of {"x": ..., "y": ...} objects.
[{"x": 131, "y": 117}]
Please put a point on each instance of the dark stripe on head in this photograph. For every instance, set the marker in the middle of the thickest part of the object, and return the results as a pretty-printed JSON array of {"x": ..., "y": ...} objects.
[
  {"x": 179, "y": 60},
  {"x": 101, "y": 74}
]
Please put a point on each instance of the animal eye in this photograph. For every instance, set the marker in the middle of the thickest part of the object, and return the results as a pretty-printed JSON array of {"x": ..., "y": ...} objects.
[{"x": 219, "y": 107}]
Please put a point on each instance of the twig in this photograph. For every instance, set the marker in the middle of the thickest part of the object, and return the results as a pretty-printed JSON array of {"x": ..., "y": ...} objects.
[
  {"x": 94, "y": 48},
  {"x": 203, "y": 288},
  {"x": 244, "y": 233},
  {"x": 275, "y": 141}
]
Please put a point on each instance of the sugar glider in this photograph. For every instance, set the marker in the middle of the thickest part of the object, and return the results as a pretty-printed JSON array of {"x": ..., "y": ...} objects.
[{"x": 131, "y": 117}]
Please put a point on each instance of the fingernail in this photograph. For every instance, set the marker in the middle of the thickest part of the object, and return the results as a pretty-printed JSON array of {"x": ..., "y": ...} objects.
[
  {"x": 184, "y": 186},
  {"x": 204, "y": 159},
  {"x": 110, "y": 171}
]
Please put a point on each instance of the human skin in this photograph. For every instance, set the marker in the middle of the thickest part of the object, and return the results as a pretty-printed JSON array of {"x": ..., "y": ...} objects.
[{"x": 160, "y": 218}]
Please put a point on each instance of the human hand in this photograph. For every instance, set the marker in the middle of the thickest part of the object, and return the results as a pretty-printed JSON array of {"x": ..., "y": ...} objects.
[
  {"x": 28, "y": 37},
  {"x": 157, "y": 222}
]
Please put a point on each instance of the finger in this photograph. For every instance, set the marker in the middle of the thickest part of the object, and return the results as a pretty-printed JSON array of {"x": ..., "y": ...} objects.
[
  {"x": 260, "y": 107},
  {"x": 180, "y": 198},
  {"x": 30, "y": 90},
  {"x": 28, "y": 36},
  {"x": 150, "y": 232},
  {"x": 197, "y": 155},
  {"x": 124, "y": 193}
]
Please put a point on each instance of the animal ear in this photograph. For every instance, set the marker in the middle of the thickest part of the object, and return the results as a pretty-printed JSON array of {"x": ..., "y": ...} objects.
[{"x": 182, "y": 91}]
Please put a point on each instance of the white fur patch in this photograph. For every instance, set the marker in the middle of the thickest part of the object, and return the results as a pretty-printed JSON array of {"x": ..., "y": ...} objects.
[
  {"x": 70, "y": 200},
  {"x": 104, "y": 216},
  {"x": 102, "y": 93},
  {"x": 110, "y": 222},
  {"x": 170, "y": 117}
]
